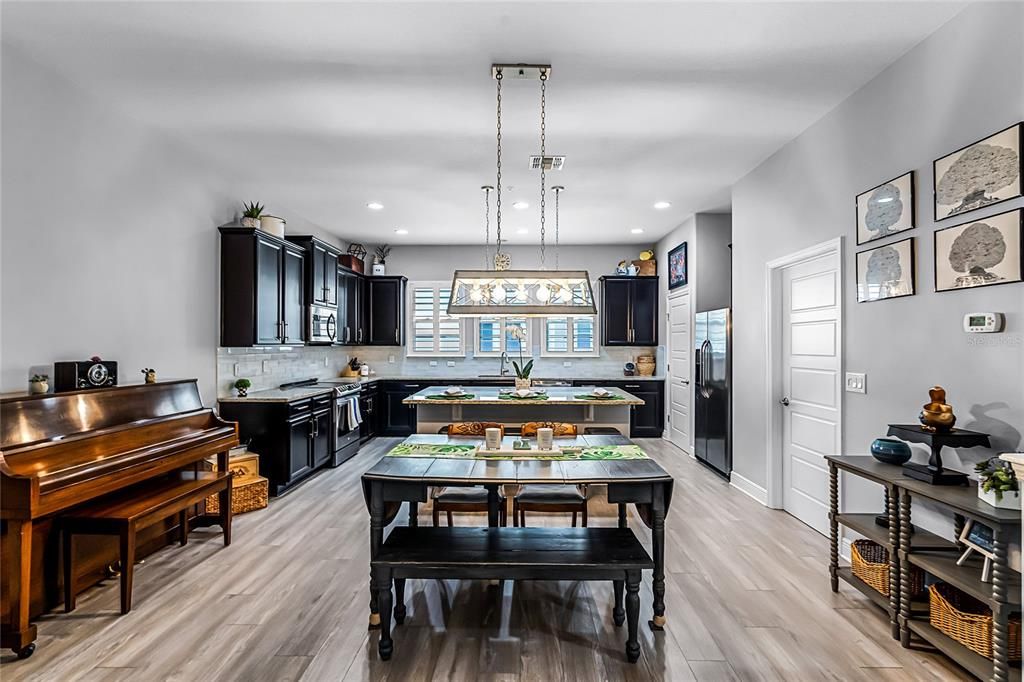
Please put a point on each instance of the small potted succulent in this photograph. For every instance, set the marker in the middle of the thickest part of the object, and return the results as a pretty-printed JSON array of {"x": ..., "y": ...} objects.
[
  {"x": 39, "y": 383},
  {"x": 380, "y": 257},
  {"x": 251, "y": 214},
  {"x": 997, "y": 484},
  {"x": 150, "y": 375},
  {"x": 521, "y": 368},
  {"x": 242, "y": 386}
]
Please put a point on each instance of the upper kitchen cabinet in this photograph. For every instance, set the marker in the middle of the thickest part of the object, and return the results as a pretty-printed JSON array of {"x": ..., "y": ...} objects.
[
  {"x": 385, "y": 297},
  {"x": 321, "y": 270},
  {"x": 351, "y": 307},
  {"x": 261, "y": 289},
  {"x": 629, "y": 311}
]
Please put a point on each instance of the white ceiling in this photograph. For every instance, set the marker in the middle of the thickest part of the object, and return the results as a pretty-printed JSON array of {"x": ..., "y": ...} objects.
[{"x": 317, "y": 109}]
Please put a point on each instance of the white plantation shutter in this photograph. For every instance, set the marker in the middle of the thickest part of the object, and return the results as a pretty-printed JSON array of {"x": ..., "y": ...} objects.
[
  {"x": 569, "y": 336},
  {"x": 434, "y": 332},
  {"x": 493, "y": 337}
]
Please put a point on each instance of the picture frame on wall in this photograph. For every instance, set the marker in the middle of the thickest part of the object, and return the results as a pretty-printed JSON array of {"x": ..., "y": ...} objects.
[
  {"x": 678, "y": 267},
  {"x": 983, "y": 173},
  {"x": 886, "y": 271},
  {"x": 980, "y": 253},
  {"x": 886, "y": 210}
]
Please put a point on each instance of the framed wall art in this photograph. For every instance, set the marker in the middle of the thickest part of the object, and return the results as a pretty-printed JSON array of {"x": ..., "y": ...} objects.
[
  {"x": 678, "y": 273},
  {"x": 886, "y": 271},
  {"x": 980, "y": 174},
  {"x": 979, "y": 253},
  {"x": 886, "y": 210}
]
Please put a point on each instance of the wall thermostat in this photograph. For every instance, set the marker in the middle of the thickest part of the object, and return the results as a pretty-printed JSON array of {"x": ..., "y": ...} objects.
[{"x": 983, "y": 323}]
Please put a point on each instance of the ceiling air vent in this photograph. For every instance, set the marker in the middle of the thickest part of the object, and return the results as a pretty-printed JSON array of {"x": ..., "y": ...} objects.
[{"x": 551, "y": 163}]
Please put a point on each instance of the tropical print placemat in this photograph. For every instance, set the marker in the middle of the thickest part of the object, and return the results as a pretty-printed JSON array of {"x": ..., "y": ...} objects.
[
  {"x": 442, "y": 396},
  {"x": 461, "y": 451}
]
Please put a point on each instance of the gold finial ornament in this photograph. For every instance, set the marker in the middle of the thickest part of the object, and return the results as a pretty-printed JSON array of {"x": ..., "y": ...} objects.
[{"x": 937, "y": 415}]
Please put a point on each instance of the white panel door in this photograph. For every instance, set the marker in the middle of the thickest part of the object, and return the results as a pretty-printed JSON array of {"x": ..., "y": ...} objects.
[
  {"x": 811, "y": 388},
  {"x": 680, "y": 340}
]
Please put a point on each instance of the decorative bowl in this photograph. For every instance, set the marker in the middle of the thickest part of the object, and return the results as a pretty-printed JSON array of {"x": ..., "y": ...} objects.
[{"x": 890, "y": 451}]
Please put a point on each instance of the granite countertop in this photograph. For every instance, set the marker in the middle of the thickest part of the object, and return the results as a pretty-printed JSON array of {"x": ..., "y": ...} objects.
[{"x": 488, "y": 395}]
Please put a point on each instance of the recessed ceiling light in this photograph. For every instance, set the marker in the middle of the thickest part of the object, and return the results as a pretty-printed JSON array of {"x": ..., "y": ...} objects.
[
  {"x": 401, "y": 230},
  {"x": 375, "y": 206},
  {"x": 637, "y": 230},
  {"x": 661, "y": 205},
  {"x": 522, "y": 230},
  {"x": 520, "y": 205}
]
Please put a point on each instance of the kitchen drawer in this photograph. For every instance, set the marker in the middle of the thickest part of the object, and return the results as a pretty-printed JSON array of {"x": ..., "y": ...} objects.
[{"x": 299, "y": 406}]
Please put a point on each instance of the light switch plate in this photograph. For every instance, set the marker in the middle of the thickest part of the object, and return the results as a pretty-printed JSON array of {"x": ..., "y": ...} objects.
[
  {"x": 856, "y": 383},
  {"x": 236, "y": 370},
  {"x": 266, "y": 366},
  {"x": 391, "y": 359},
  {"x": 451, "y": 363},
  {"x": 433, "y": 363},
  {"x": 566, "y": 364}
]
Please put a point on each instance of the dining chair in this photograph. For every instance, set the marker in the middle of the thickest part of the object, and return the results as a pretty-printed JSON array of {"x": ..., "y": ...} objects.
[
  {"x": 549, "y": 498},
  {"x": 449, "y": 500}
]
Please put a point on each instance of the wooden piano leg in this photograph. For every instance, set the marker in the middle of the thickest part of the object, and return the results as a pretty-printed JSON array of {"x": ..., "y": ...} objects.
[
  {"x": 183, "y": 527},
  {"x": 127, "y": 566},
  {"x": 225, "y": 511},
  {"x": 69, "y": 570},
  {"x": 20, "y": 634}
]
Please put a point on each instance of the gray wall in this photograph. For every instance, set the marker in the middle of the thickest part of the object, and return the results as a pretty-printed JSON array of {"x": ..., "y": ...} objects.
[{"x": 962, "y": 83}]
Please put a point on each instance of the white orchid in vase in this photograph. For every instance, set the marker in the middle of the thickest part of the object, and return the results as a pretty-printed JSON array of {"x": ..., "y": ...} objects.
[{"x": 522, "y": 369}]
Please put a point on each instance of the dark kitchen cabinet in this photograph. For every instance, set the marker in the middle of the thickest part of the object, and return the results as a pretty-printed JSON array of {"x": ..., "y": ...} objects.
[
  {"x": 262, "y": 297},
  {"x": 368, "y": 401},
  {"x": 293, "y": 439},
  {"x": 647, "y": 420},
  {"x": 629, "y": 311},
  {"x": 394, "y": 418},
  {"x": 386, "y": 301},
  {"x": 321, "y": 270},
  {"x": 350, "y": 307}
]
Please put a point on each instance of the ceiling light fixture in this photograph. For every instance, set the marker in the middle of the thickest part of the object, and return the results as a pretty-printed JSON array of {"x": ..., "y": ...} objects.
[
  {"x": 520, "y": 205},
  {"x": 662, "y": 205},
  {"x": 637, "y": 230},
  {"x": 523, "y": 293},
  {"x": 375, "y": 206},
  {"x": 401, "y": 230}
]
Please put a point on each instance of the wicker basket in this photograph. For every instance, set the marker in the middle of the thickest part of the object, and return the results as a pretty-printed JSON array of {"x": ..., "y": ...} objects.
[
  {"x": 247, "y": 495},
  {"x": 968, "y": 621},
  {"x": 870, "y": 562},
  {"x": 645, "y": 365}
]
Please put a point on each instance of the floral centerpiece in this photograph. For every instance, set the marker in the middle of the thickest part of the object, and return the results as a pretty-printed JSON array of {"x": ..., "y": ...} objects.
[{"x": 521, "y": 368}]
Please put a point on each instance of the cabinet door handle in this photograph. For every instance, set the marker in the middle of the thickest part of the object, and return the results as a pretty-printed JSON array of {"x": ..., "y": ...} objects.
[
  {"x": 632, "y": 385},
  {"x": 396, "y": 336},
  {"x": 284, "y": 336}
]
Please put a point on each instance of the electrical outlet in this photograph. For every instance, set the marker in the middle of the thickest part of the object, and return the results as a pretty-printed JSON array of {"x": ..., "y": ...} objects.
[
  {"x": 433, "y": 363},
  {"x": 327, "y": 362},
  {"x": 451, "y": 363},
  {"x": 266, "y": 366},
  {"x": 391, "y": 359},
  {"x": 856, "y": 383},
  {"x": 566, "y": 364},
  {"x": 236, "y": 370}
]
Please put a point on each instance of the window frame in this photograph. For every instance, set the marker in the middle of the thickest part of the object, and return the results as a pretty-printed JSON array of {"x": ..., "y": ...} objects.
[
  {"x": 571, "y": 336},
  {"x": 503, "y": 322},
  {"x": 438, "y": 316}
]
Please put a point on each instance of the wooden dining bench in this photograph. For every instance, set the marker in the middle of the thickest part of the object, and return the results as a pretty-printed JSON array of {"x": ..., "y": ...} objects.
[
  {"x": 512, "y": 554},
  {"x": 126, "y": 513}
]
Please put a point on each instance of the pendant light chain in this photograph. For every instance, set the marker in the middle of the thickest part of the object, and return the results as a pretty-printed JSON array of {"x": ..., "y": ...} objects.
[
  {"x": 543, "y": 154},
  {"x": 488, "y": 264},
  {"x": 498, "y": 77},
  {"x": 558, "y": 193}
]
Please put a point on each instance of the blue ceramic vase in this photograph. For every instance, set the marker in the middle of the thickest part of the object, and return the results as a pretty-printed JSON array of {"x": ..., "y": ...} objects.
[{"x": 890, "y": 451}]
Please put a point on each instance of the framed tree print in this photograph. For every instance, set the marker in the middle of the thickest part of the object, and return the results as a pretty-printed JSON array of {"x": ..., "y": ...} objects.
[
  {"x": 886, "y": 210},
  {"x": 979, "y": 253},
  {"x": 980, "y": 174},
  {"x": 886, "y": 271},
  {"x": 678, "y": 275}
]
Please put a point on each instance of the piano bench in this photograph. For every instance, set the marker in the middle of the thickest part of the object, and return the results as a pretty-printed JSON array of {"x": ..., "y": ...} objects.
[{"x": 125, "y": 513}]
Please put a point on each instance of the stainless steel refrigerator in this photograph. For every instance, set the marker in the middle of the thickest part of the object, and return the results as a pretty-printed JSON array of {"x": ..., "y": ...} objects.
[{"x": 713, "y": 378}]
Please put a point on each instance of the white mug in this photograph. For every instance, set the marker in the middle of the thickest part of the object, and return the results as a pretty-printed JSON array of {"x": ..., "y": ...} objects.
[
  {"x": 545, "y": 438},
  {"x": 492, "y": 439}
]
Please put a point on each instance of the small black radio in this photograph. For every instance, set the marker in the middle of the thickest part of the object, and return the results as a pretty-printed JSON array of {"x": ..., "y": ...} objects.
[{"x": 95, "y": 373}]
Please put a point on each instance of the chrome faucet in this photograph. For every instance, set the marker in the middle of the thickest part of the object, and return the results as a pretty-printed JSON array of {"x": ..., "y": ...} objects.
[{"x": 504, "y": 359}]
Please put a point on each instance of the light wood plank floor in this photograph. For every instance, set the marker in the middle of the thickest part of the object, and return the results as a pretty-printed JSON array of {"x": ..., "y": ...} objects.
[{"x": 747, "y": 599}]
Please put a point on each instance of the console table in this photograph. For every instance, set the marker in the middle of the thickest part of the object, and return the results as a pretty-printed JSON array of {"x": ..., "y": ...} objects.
[{"x": 909, "y": 546}]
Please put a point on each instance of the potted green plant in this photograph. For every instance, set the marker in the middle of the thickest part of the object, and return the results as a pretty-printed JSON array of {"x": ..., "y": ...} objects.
[
  {"x": 997, "y": 484},
  {"x": 521, "y": 368},
  {"x": 242, "y": 386},
  {"x": 39, "y": 383},
  {"x": 251, "y": 214},
  {"x": 380, "y": 257}
]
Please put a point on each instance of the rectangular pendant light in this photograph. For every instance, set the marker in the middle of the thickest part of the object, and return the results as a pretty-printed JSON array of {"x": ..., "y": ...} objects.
[{"x": 521, "y": 293}]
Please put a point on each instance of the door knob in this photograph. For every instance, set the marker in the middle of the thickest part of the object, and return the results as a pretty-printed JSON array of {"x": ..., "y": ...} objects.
[
  {"x": 785, "y": 400},
  {"x": 684, "y": 382}
]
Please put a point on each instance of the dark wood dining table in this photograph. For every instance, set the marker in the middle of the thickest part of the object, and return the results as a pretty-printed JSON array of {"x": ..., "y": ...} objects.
[{"x": 642, "y": 482}]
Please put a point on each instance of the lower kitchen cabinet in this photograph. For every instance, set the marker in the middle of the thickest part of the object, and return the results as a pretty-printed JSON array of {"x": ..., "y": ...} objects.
[
  {"x": 369, "y": 399},
  {"x": 647, "y": 420},
  {"x": 293, "y": 439},
  {"x": 394, "y": 418}
]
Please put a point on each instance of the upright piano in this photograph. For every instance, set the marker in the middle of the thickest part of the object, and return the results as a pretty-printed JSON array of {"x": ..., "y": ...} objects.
[{"x": 62, "y": 450}]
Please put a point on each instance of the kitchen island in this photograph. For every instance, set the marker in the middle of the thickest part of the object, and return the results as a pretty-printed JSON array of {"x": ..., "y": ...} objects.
[{"x": 434, "y": 411}]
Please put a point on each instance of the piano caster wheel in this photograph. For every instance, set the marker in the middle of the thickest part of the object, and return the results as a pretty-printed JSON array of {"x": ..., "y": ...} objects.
[{"x": 25, "y": 651}]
